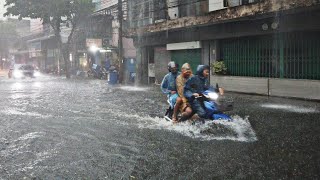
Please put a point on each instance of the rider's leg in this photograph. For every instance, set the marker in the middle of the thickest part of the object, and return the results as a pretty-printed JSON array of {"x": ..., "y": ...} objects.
[
  {"x": 186, "y": 114},
  {"x": 198, "y": 108},
  {"x": 176, "y": 109}
]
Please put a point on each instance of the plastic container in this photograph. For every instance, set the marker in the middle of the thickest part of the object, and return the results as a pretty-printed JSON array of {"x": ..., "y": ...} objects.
[{"x": 113, "y": 77}]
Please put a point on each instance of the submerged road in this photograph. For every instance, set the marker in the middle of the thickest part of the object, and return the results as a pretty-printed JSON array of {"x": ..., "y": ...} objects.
[{"x": 54, "y": 128}]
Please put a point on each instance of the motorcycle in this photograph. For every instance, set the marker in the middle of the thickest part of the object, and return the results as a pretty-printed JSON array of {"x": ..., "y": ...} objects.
[
  {"x": 98, "y": 72},
  {"x": 214, "y": 104},
  {"x": 104, "y": 73}
]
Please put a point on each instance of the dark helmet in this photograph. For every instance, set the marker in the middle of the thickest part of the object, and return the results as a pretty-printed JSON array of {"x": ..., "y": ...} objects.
[
  {"x": 201, "y": 68},
  {"x": 171, "y": 65}
]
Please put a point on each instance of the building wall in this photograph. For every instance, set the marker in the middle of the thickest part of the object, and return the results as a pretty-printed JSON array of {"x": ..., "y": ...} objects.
[
  {"x": 161, "y": 59},
  {"x": 36, "y": 26},
  {"x": 128, "y": 48},
  {"x": 241, "y": 84},
  {"x": 304, "y": 89},
  {"x": 231, "y": 23},
  {"x": 263, "y": 7},
  {"x": 22, "y": 26}
]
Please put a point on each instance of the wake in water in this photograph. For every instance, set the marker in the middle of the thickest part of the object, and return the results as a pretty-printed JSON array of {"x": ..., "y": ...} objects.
[{"x": 238, "y": 130}]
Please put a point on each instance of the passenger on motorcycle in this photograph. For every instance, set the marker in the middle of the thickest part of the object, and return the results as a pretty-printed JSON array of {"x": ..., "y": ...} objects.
[
  {"x": 195, "y": 86},
  {"x": 168, "y": 85},
  {"x": 182, "y": 103}
]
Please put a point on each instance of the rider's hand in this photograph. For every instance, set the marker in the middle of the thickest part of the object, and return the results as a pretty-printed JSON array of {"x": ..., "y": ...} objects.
[
  {"x": 195, "y": 94},
  {"x": 221, "y": 90},
  {"x": 173, "y": 92}
]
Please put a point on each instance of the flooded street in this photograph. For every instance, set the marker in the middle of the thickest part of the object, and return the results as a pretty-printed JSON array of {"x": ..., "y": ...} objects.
[{"x": 54, "y": 128}]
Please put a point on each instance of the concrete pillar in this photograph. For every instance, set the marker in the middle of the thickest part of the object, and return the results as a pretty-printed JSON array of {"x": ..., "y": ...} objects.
[
  {"x": 214, "y": 54},
  {"x": 205, "y": 52},
  {"x": 142, "y": 66},
  {"x": 214, "y": 51}
]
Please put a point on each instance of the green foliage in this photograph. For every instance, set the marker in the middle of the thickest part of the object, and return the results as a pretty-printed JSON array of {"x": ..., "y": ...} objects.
[
  {"x": 47, "y": 8},
  {"x": 219, "y": 67},
  {"x": 57, "y": 13},
  {"x": 54, "y": 12}
]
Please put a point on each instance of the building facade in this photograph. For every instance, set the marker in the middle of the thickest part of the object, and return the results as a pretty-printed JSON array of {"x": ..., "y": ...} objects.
[
  {"x": 111, "y": 39},
  {"x": 263, "y": 43}
]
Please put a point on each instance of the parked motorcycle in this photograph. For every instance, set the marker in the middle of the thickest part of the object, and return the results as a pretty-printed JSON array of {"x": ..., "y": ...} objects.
[{"x": 98, "y": 72}]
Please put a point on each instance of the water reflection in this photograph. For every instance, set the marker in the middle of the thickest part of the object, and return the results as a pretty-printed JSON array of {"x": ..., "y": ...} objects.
[
  {"x": 17, "y": 86},
  {"x": 133, "y": 88},
  {"x": 37, "y": 84},
  {"x": 290, "y": 108}
]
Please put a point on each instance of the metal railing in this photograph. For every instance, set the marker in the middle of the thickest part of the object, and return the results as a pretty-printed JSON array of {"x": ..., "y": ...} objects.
[{"x": 285, "y": 55}]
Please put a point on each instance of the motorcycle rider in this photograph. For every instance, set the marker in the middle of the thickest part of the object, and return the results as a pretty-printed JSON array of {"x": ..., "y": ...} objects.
[
  {"x": 195, "y": 86},
  {"x": 168, "y": 85},
  {"x": 182, "y": 103}
]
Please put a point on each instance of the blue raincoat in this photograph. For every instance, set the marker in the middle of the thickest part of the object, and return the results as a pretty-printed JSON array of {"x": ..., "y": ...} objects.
[
  {"x": 169, "y": 84},
  {"x": 197, "y": 84}
]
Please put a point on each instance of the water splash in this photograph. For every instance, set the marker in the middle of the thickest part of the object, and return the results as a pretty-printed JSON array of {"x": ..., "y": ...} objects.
[
  {"x": 238, "y": 130},
  {"x": 290, "y": 108}
]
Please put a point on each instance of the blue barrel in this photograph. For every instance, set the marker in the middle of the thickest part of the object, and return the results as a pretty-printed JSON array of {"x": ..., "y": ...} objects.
[{"x": 113, "y": 77}]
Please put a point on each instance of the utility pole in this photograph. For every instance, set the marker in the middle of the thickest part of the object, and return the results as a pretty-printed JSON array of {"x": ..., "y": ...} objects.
[{"x": 120, "y": 19}]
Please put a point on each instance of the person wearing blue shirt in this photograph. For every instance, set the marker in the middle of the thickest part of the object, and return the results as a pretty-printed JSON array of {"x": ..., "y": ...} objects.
[
  {"x": 107, "y": 64},
  {"x": 195, "y": 86},
  {"x": 168, "y": 85}
]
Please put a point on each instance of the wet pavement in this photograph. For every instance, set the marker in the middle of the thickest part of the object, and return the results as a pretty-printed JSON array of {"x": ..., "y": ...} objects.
[{"x": 54, "y": 128}]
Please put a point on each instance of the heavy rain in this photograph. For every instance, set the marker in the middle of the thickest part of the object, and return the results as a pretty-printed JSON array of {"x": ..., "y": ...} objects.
[{"x": 86, "y": 89}]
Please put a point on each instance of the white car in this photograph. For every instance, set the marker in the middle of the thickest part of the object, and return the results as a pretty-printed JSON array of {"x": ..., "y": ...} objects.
[{"x": 21, "y": 71}]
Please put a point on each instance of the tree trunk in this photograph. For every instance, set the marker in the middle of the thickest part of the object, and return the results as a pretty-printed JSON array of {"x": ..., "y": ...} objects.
[
  {"x": 64, "y": 48},
  {"x": 65, "y": 53}
]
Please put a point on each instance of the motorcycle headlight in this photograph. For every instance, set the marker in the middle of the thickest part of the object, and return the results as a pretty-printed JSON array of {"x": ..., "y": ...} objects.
[
  {"x": 213, "y": 96},
  {"x": 36, "y": 73},
  {"x": 17, "y": 74}
]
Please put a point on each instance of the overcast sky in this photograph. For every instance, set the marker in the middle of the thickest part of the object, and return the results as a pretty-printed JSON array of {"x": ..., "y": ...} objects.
[{"x": 2, "y": 8}]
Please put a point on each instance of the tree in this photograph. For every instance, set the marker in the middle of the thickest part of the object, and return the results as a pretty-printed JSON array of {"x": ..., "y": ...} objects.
[{"x": 57, "y": 13}]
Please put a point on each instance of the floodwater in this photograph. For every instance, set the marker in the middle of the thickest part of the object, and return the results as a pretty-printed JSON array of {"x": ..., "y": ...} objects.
[{"x": 54, "y": 128}]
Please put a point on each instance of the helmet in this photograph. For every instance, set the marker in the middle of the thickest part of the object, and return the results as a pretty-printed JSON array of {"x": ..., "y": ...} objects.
[
  {"x": 171, "y": 65},
  {"x": 201, "y": 68}
]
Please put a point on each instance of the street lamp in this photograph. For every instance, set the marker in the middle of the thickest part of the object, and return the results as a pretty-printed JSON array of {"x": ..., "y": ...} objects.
[{"x": 93, "y": 49}]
